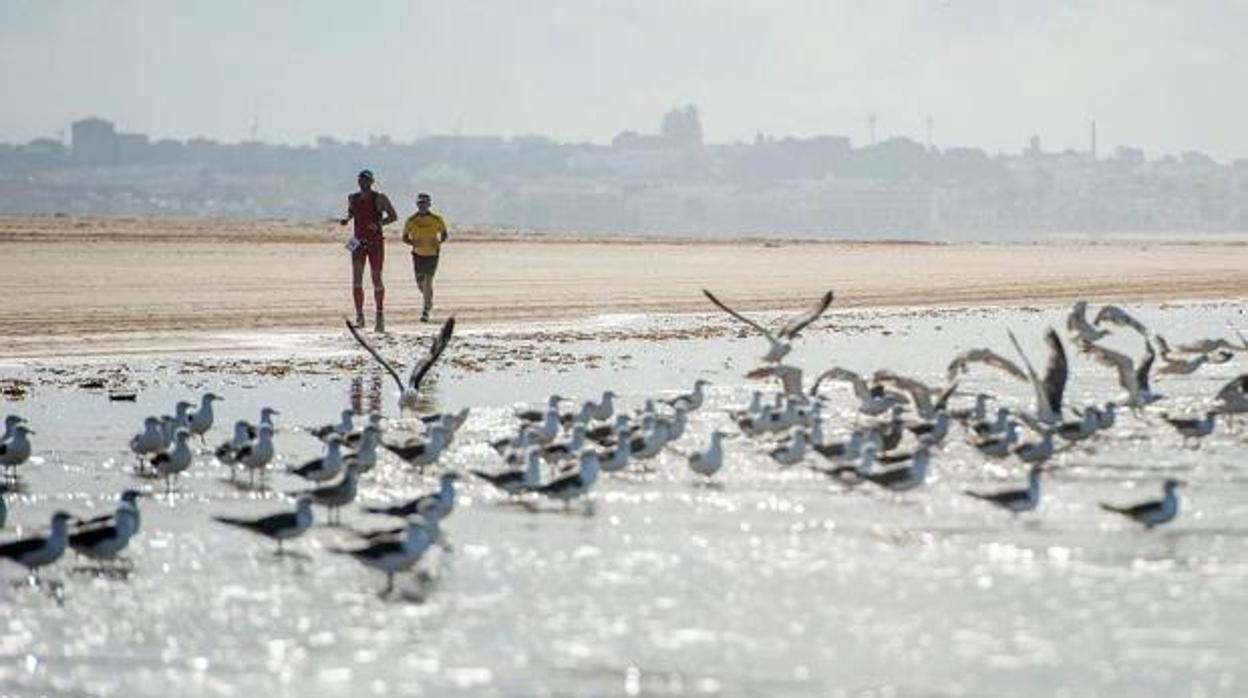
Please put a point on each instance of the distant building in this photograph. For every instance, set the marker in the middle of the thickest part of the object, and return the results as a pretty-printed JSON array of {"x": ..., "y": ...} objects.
[{"x": 95, "y": 142}]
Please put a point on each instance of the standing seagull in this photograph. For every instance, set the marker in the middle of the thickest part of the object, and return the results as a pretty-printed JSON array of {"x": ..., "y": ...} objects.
[
  {"x": 10, "y": 422},
  {"x": 334, "y": 497},
  {"x": 175, "y": 461},
  {"x": 257, "y": 454},
  {"x": 148, "y": 442},
  {"x": 391, "y": 556},
  {"x": 779, "y": 343},
  {"x": 515, "y": 482},
  {"x": 40, "y": 551},
  {"x": 707, "y": 463},
  {"x": 16, "y": 450},
  {"x": 1193, "y": 429},
  {"x": 279, "y": 527},
  {"x": 200, "y": 421},
  {"x": 438, "y": 504},
  {"x": 691, "y": 401},
  {"x": 324, "y": 468},
  {"x": 1015, "y": 501},
  {"x": 104, "y": 542},
  {"x": 1152, "y": 513},
  {"x": 575, "y": 485},
  {"x": 410, "y": 391}
]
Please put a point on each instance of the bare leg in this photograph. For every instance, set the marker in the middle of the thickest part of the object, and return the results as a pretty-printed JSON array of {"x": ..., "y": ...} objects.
[{"x": 357, "y": 286}]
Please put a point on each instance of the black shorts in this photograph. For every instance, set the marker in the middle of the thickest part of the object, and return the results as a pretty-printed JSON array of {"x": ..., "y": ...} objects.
[{"x": 424, "y": 266}]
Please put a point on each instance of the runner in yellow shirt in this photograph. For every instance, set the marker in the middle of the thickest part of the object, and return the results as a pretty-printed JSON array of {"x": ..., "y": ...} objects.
[{"x": 425, "y": 232}]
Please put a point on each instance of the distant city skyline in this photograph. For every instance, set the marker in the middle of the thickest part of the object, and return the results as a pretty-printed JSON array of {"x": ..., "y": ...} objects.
[{"x": 1162, "y": 76}]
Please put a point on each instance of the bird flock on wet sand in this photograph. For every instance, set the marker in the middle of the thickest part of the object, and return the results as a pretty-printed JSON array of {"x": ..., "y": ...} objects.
[{"x": 898, "y": 427}]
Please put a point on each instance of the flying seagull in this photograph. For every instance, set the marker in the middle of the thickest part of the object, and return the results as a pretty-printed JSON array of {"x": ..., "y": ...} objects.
[
  {"x": 779, "y": 341},
  {"x": 409, "y": 391}
]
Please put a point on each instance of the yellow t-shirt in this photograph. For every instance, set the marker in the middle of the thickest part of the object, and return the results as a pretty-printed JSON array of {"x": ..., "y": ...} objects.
[{"x": 424, "y": 233}]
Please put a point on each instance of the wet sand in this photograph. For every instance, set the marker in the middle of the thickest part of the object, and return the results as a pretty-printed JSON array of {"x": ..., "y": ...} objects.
[{"x": 94, "y": 286}]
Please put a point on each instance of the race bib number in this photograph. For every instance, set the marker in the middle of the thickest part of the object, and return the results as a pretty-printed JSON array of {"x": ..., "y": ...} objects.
[{"x": 353, "y": 244}]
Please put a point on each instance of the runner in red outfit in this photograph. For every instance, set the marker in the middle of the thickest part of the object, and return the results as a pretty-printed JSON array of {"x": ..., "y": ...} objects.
[{"x": 371, "y": 210}]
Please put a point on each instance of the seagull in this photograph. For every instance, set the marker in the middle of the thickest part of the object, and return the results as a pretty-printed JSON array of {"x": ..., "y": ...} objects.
[
  {"x": 1133, "y": 379},
  {"x": 933, "y": 431},
  {"x": 200, "y": 421},
  {"x": 266, "y": 419},
  {"x": 847, "y": 449},
  {"x": 327, "y": 467},
  {"x": 1152, "y": 513},
  {"x": 40, "y": 551},
  {"x": 605, "y": 407},
  {"x": 1049, "y": 391},
  {"x": 106, "y": 541},
  {"x": 439, "y": 504},
  {"x": 355, "y": 436},
  {"x": 790, "y": 377},
  {"x": 410, "y": 391},
  {"x": 514, "y": 482},
  {"x": 961, "y": 364},
  {"x": 1192, "y": 429},
  {"x": 129, "y": 500},
  {"x": 992, "y": 427},
  {"x": 421, "y": 453},
  {"x": 227, "y": 452},
  {"x": 649, "y": 442},
  {"x": 708, "y": 462},
  {"x": 1176, "y": 365},
  {"x": 181, "y": 418},
  {"x": 391, "y": 556},
  {"x": 279, "y": 527},
  {"x": 1079, "y": 429},
  {"x": 564, "y": 449},
  {"x": 1117, "y": 316},
  {"x": 175, "y": 461},
  {"x": 904, "y": 478},
  {"x": 850, "y": 475},
  {"x": 345, "y": 425},
  {"x": 793, "y": 451},
  {"x": 692, "y": 400},
  {"x": 10, "y": 422},
  {"x": 1232, "y": 398},
  {"x": 999, "y": 445},
  {"x": 1015, "y": 501},
  {"x": 616, "y": 457},
  {"x": 575, "y": 485},
  {"x": 364, "y": 458},
  {"x": 607, "y": 434},
  {"x": 926, "y": 399},
  {"x": 872, "y": 400},
  {"x": 16, "y": 450},
  {"x": 1036, "y": 452},
  {"x": 1081, "y": 331},
  {"x": 674, "y": 427},
  {"x": 779, "y": 343},
  {"x": 256, "y": 455},
  {"x": 552, "y": 404},
  {"x": 340, "y": 494},
  {"x": 148, "y": 442}
]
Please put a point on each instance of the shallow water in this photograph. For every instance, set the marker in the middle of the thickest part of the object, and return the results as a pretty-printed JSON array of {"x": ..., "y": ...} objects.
[{"x": 769, "y": 582}]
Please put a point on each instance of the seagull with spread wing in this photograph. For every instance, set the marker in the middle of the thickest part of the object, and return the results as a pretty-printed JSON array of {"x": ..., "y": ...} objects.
[
  {"x": 1117, "y": 316},
  {"x": 409, "y": 391},
  {"x": 1080, "y": 329},
  {"x": 779, "y": 342},
  {"x": 1133, "y": 377},
  {"x": 1050, "y": 389}
]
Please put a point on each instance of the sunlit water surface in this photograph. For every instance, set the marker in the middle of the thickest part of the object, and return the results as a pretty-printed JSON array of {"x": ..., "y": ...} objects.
[{"x": 769, "y": 582}]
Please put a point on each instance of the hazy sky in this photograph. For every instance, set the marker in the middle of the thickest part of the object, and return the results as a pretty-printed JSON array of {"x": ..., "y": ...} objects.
[{"x": 1165, "y": 75}]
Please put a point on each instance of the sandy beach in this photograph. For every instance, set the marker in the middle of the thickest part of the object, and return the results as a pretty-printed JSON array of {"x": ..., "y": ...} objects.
[{"x": 97, "y": 285}]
